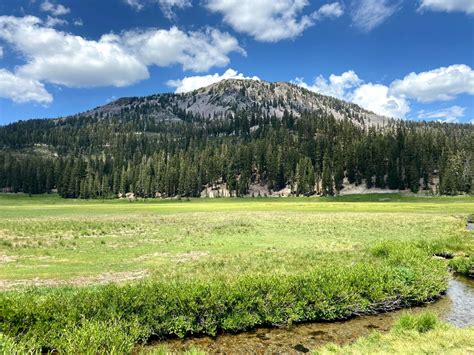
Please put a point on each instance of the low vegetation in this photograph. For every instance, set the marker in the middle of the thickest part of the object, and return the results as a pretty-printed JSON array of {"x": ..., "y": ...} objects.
[
  {"x": 463, "y": 265},
  {"x": 412, "y": 334},
  {"x": 210, "y": 266}
]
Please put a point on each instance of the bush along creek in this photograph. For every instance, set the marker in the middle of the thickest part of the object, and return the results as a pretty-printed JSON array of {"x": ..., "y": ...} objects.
[
  {"x": 463, "y": 263},
  {"x": 117, "y": 317}
]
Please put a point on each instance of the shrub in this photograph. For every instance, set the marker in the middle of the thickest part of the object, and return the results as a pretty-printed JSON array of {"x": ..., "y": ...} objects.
[
  {"x": 462, "y": 265},
  {"x": 114, "y": 317}
]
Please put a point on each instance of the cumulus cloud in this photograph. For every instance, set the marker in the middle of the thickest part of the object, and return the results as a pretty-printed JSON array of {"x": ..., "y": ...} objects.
[
  {"x": 65, "y": 59},
  {"x": 448, "y": 115},
  {"x": 54, "y": 9},
  {"x": 441, "y": 84},
  {"x": 338, "y": 86},
  {"x": 466, "y": 6},
  {"x": 368, "y": 14},
  {"x": 1, "y": 52},
  {"x": 271, "y": 20},
  {"x": 113, "y": 60},
  {"x": 349, "y": 87},
  {"x": 21, "y": 89},
  {"x": 190, "y": 83},
  {"x": 377, "y": 98},
  {"x": 196, "y": 51}
]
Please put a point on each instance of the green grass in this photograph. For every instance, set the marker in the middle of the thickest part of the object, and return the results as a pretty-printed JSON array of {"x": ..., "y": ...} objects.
[
  {"x": 422, "y": 334},
  {"x": 215, "y": 265},
  {"x": 54, "y": 239}
]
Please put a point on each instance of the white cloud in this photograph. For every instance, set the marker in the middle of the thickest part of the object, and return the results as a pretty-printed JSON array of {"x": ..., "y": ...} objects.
[
  {"x": 448, "y": 115},
  {"x": 54, "y": 21},
  {"x": 337, "y": 85},
  {"x": 54, "y": 9},
  {"x": 377, "y": 98},
  {"x": 112, "y": 60},
  {"x": 195, "y": 82},
  {"x": 197, "y": 51},
  {"x": 21, "y": 89},
  {"x": 349, "y": 87},
  {"x": 466, "y": 6},
  {"x": 332, "y": 10},
  {"x": 112, "y": 98},
  {"x": 78, "y": 22},
  {"x": 441, "y": 84},
  {"x": 65, "y": 59},
  {"x": 1, "y": 52},
  {"x": 168, "y": 6},
  {"x": 368, "y": 14},
  {"x": 270, "y": 20},
  {"x": 136, "y": 4}
]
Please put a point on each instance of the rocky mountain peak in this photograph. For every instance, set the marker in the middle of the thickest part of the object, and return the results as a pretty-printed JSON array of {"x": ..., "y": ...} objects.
[{"x": 234, "y": 96}]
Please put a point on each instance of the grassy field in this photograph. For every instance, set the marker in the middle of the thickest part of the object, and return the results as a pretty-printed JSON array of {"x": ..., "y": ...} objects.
[
  {"x": 204, "y": 266},
  {"x": 51, "y": 240}
]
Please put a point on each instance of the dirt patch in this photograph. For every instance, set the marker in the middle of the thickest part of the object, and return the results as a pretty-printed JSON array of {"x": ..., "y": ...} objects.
[
  {"x": 179, "y": 258},
  {"x": 7, "y": 259},
  {"x": 152, "y": 256},
  {"x": 352, "y": 189},
  {"x": 104, "y": 278},
  {"x": 191, "y": 256}
]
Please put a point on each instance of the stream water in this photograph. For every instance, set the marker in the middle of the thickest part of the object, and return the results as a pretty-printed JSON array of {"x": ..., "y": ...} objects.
[{"x": 456, "y": 307}]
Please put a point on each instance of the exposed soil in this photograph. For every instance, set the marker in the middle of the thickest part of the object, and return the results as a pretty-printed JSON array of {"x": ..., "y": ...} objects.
[
  {"x": 180, "y": 257},
  {"x": 104, "y": 278}
]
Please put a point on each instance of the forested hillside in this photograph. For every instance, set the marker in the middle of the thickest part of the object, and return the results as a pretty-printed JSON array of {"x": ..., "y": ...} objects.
[{"x": 233, "y": 134}]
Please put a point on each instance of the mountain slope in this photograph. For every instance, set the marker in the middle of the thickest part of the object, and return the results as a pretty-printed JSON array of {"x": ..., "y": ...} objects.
[
  {"x": 237, "y": 137},
  {"x": 232, "y": 96}
]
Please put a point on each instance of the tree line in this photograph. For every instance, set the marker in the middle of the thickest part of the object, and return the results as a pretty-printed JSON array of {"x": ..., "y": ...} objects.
[{"x": 102, "y": 156}]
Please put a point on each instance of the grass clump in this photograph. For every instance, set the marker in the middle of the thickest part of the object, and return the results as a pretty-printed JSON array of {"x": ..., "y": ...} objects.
[
  {"x": 10, "y": 346},
  {"x": 412, "y": 334},
  {"x": 463, "y": 265},
  {"x": 420, "y": 323}
]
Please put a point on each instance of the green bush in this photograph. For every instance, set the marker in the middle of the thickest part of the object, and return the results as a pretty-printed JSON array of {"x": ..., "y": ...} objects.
[
  {"x": 112, "y": 318},
  {"x": 462, "y": 265}
]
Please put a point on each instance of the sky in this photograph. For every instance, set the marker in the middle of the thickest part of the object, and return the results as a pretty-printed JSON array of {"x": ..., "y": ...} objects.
[{"x": 409, "y": 59}]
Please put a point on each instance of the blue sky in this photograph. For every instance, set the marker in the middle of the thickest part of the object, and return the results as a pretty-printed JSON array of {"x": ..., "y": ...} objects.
[{"x": 411, "y": 59}]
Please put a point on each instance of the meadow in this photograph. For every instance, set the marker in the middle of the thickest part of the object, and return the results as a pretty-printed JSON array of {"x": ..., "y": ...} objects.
[{"x": 108, "y": 275}]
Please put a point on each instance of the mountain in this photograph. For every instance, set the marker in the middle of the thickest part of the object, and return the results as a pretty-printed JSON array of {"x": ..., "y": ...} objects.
[
  {"x": 233, "y": 138},
  {"x": 232, "y": 96}
]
